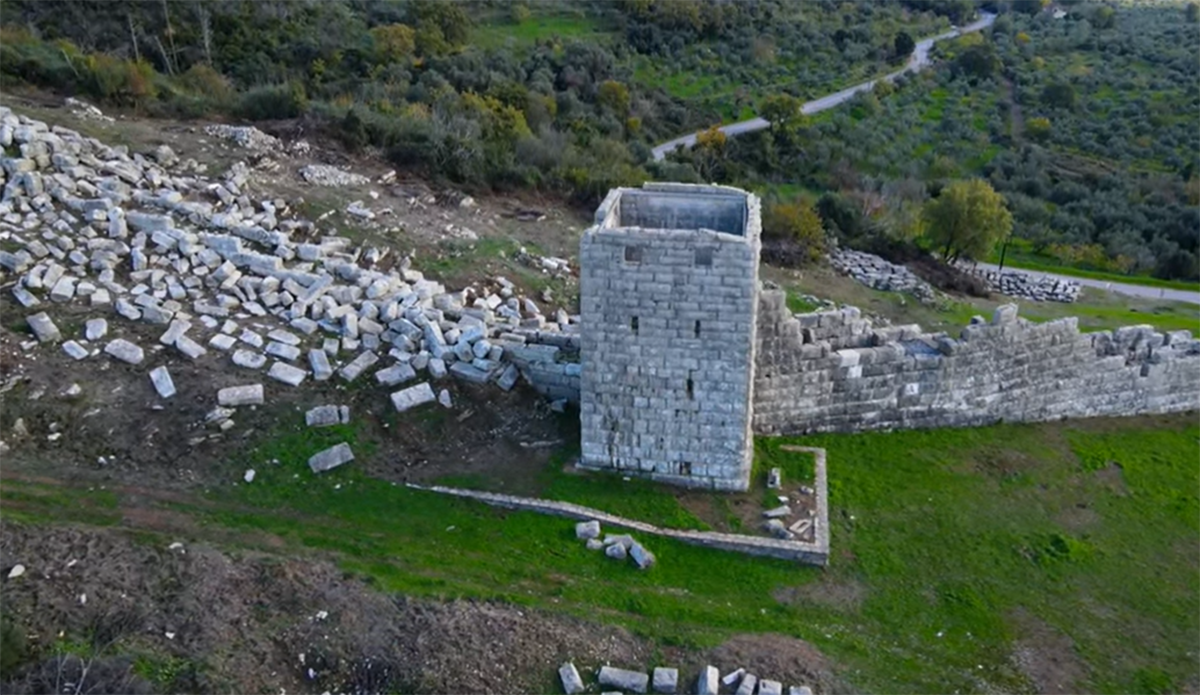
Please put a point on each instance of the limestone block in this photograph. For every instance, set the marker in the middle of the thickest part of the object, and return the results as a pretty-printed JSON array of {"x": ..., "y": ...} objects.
[
  {"x": 162, "y": 381},
  {"x": 746, "y": 687},
  {"x": 125, "y": 351},
  {"x": 233, "y": 396},
  {"x": 43, "y": 328},
  {"x": 665, "y": 680},
  {"x": 707, "y": 683},
  {"x": 281, "y": 371},
  {"x": 624, "y": 680},
  {"x": 413, "y": 396},
  {"x": 75, "y": 350},
  {"x": 318, "y": 360},
  {"x": 249, "y": 359},
  {"x": 282, "y": 351},
  {"x": 330, "y": 458},
  {"x": 395, "y": 374},
  {"x": 571, "y": 682},
  {"x": 326, "y": 415},
  {"x": 351, "y": 371}
]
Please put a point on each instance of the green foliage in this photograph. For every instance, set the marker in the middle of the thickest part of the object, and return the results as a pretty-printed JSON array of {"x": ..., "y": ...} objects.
[
  {"x": 904, "y": 45},
  {"x": 782, "y": 110},
  {"x": 967, "y": 220},
  {"x": 614, "y": 96},
  {"x": 799, "y": 224},
  {"x": 394, "y": 43},
  {"x": 1059, "y": 95},
  {"x": 1038, "y": 128},
  {"x": 1030, "y": 7},
  {"x": 273, "y": 102}
]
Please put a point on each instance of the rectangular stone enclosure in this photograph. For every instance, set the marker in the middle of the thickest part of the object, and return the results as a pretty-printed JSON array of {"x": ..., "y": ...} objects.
[{"x": 668, "y": 304}]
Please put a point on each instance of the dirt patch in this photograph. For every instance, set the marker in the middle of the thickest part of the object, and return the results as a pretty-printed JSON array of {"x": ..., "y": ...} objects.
[
  {"x": 785, "y": 659},
  {"x": 844, "y": 596},
  {"x": 1045, "y": 655},
  {"x": 1078, "y": 518},
  {"x": 1112, "y": 478},
  {"x": 258, "y": 623}
]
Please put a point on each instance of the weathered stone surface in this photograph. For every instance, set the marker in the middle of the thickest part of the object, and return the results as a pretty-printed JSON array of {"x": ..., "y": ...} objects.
[
  {"x": 326, "y": 415},
  {"x": 318, "y": 360},
  {"x": 249, "y": 359},
  {"x": 774, "y": 479},
  {"x": 437, "y": 368},
  {"x": 616, "y": 551},
  {"x": 330, "y": 458},
  {"x": 292, "y": 376},
  {"x": 125, "y": 351},
  {"x": 628, "y": 681},
  {"x": 733, "y": 676},
  {"x": 800, "y": 690},
  {"x": 469, "y": 373},
  {"x": 779, "y": 512},
  {"x": 233, "y": 396},
  {"x": 587, "y": 530},
  {"x": 770, "y": 687},
  {"x": 444, "y": 399},
  {"x": 222, "y": 341},
  {"x": 644, "y": 559},
  {"x": 571, "y": 682},
  {"x": 356, "y": 367},
  {"x": 163, "y": 384},
  {"x": 746, "y": 687},
  {"x": 707, "y": 683},
  {"x": 395, "y": 374},
  {"x": 75, "y": 350},
  {"x": 43, "y": 327},
  {"x": 95, "y": 329},
  {"x": 412, "y": 397},
  {"x": 282, "y": 350},
  {"x": 665, "y": 680},
  {"x": 189, "y": 347}
]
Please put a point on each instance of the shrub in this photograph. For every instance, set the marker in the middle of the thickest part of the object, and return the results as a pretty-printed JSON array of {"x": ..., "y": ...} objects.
[{"x": 273, "y": 102}]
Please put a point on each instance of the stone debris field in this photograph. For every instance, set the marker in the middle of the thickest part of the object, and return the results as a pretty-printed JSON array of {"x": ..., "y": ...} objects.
[
  {"x": 666, "y": 680},
  {"x": 144, "y": 238}
]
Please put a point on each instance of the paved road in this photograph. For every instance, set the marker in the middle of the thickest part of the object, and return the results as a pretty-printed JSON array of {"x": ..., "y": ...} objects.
[
  {"x": 1118, "y": 287},
  {"x": 918, "y": 60}
]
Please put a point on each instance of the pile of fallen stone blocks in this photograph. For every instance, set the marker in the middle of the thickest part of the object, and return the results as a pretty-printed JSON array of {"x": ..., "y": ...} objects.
[
  {"x": 879, "y": 274},
  {"x": 666, "y": 680},
  {"x": 130, "y": 236},
  {"x": 617, "y": 547}
]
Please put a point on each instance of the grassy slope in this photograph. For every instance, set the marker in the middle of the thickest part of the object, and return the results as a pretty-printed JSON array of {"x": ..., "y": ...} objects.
[
  {"x": 1096, "y": 309},
  {"x": 942, "y": 535}
]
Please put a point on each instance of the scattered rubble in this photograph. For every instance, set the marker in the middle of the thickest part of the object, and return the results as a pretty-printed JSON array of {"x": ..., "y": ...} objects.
[
  {"x": 244, "y": 136},
  {"x": 879, "y": 274},
  {"x": 82, "y": 109},
  {"x": 1023, "y": 285},
  {"x": 325, "y": 175}
]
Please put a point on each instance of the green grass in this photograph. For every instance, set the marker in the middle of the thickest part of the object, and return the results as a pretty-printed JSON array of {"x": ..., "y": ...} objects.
[
  {"x": 950, "y": 532},
  {"x": 500, "y": 31},
  {"x": 940, "y": 537}
]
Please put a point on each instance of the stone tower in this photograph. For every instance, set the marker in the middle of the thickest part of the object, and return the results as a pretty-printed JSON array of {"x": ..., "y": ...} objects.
[{"x": 668, "y": 299}]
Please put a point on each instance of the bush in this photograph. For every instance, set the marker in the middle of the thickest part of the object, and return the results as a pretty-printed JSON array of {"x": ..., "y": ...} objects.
[
  {"x": 800, "y": 226},
  {"x": 273, "y": 102}
]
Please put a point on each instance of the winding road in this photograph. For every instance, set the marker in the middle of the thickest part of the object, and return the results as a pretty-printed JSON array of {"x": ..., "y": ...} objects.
[{"x": 918, "y": 60}]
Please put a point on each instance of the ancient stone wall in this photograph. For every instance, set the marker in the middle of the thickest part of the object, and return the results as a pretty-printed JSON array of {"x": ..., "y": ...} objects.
[
  {"x": 834, "y": 372},
  {"x": 668, "y": 335}
]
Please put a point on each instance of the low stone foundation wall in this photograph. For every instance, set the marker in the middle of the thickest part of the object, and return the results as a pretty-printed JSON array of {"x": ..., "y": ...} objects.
[
  {"x": 814, "y": 553},
  {"x": 835, "y": 372}
]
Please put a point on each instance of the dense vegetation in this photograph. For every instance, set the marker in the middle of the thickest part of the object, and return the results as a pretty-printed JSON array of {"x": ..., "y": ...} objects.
[
  {"x": 410, "y": 76},
  {"x": 1085, "y": 124}
]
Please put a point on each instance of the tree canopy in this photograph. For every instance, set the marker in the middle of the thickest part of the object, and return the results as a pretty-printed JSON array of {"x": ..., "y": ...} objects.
[{"x": 967, "y": 220}]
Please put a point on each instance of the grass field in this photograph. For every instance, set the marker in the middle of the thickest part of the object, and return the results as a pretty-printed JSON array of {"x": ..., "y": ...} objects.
[
  {"x": 501, "y": 31},
  {"x": 951, "y": 548}
]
